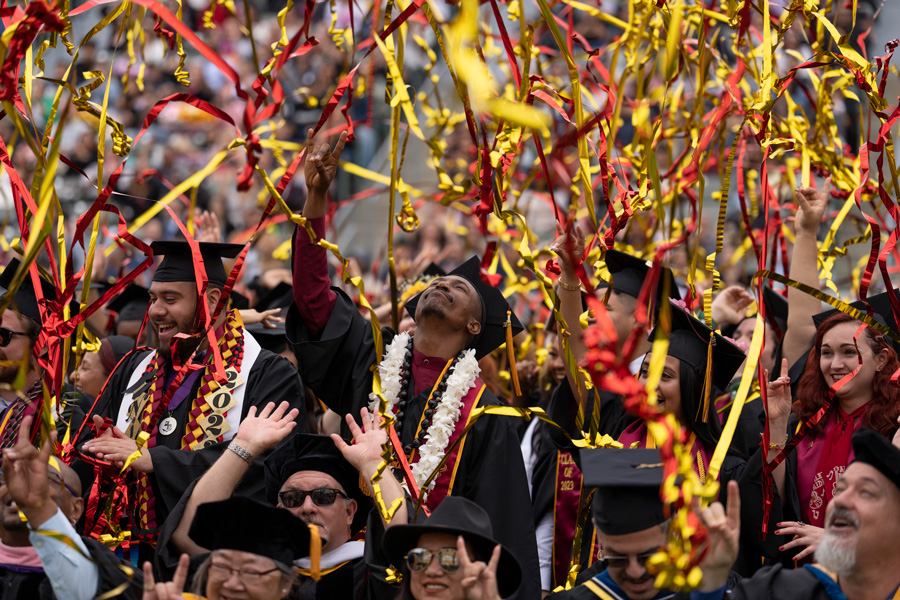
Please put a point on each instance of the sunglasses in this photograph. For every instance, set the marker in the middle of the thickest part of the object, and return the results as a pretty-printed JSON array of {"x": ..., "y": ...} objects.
[
  {"x": 320, "y": 497},
  {"x": 622, "y": 562},
  {"x": 418, "y": 559},
  {"x": 6, "y": 336}
]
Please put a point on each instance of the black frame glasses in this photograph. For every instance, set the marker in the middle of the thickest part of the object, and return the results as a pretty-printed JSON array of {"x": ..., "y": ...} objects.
[
  {"x": 6, "y": 336},
  {"x": 418, "y": 559},
  {"x": 224, "y": 572},
  {"x": 320, "y": 496}
]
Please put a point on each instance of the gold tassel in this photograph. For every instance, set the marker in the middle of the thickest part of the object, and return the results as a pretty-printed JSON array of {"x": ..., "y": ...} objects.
[
  {"x": 707, "y": 379},
  {"x": 315, "y": 553},
  {"x": 511, "y": 354}
]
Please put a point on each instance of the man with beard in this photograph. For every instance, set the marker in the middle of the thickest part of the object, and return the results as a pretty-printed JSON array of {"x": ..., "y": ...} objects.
[
  {"x": 858, "y": 557},
  {"x": 430, "y": 379},
  {"x": 188, "y": 408},
  {"x": 305, "y": 475},
  {"x": 37, "y": 557}
]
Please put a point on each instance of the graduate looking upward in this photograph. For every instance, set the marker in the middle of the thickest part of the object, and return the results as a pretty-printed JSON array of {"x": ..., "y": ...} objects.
[{"x": 430, "y": 380}]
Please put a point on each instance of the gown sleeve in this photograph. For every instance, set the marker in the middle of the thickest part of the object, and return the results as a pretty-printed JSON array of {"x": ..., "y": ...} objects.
[{"x": 337, "y": 365}]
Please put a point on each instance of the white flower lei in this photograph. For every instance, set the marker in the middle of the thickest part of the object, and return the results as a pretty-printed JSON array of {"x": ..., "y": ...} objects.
[{"x": 446, "y": 414}]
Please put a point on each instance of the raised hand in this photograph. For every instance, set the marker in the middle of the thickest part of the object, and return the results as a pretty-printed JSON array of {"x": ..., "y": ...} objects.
[
  {"x": 724, "y": 528},
  {"x": 208, "y": 223},
  {"x": 805, "y": 536},
  {"x": 258, "y": 433},
  {"x": 479, "y": 579},
  {"x": 779, "y": 396},
  {"x": 811, "y": 205},
  {"x": 171, "y": 590},
  {"x": 730, "y": 306},
  {"x": 269, "y": 318},
  {"x": 320, "y": 163},
  {"x": 25, "y": 472},
  {"x": 568, "y": 246},
  {"x": 365, "y": 453}
]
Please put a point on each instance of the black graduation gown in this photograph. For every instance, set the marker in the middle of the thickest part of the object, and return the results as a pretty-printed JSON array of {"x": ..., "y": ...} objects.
[
  {"x": 36, "y": 586},
  {"x": 778, "y": 583},
  {"x": 491, "y": 472},
  {"x": 272, "y": 378}
]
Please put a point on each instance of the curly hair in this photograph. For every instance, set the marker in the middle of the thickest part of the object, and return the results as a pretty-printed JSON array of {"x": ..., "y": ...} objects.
[{"x": 813, "y": 391}]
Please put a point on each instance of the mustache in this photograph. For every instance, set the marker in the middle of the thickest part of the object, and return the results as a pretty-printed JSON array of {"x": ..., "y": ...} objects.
[
  {"x": 644, "y": 578},
  {"x": 842, "y": 514}
]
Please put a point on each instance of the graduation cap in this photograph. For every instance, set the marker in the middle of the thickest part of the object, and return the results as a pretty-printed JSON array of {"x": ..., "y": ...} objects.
[
  {"x": 495, "y": 307},
  {"x": 25, "y": 300},
  {"x": 872, "y": 448},
  {"x": 131, "y": 304},
  {"x": 629, "y": 274},
  {"x": 280, "y": 296},
  {"x": 178, "y": 260},
  {"x": 308, "y": 452},
  {"x": 627, "y": 481},
  {"x": 240, "y": 523},
  {"x": 689, "y": 341},
  {"x": 456, "y": 516},
  {"x": 882, "y": 312},
  {"x": 239, "y": 301}
]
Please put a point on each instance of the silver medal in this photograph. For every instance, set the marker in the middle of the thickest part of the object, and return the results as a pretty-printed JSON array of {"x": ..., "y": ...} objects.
[{"x": 167, "y": 425}]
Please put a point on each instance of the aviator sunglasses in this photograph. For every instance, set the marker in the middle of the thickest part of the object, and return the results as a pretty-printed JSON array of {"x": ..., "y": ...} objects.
[{"x": 418, "y": 559}]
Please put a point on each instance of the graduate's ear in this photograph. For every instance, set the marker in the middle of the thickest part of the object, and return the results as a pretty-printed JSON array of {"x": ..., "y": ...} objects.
[
  {"x": 213, "y": 294},
  {"x": 77, "y": 509},
  {"x": 473, "y": 327},
  {"x": 352, "y": 507}
]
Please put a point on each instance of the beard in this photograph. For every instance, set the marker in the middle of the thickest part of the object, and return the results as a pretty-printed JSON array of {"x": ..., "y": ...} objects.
[
  {"x": 8, "y": 372},
  {"x": 183, "y": 347},
  {"x": 838, "y": 552}
]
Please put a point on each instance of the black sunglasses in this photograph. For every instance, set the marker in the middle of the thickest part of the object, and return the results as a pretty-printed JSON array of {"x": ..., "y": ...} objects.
[
  {"x": 418, "y": 559},
  {"x": 320, "y": 497},
  {"x": 6, "y": 336}
]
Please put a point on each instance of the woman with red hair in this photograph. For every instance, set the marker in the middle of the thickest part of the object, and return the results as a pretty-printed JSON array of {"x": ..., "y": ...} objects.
[{"x": 847, "y": 374}]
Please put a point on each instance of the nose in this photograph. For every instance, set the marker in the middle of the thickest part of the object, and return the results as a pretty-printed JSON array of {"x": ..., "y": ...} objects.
[
  {"x": 73, "y": 376},
  {"x": 635, "y": 569},
  {"x": 434, "y": 569},
  {"x": 155, "y": 310},
  {"x": 234, "y": 580},
  {"x": 308, "y": 505}
]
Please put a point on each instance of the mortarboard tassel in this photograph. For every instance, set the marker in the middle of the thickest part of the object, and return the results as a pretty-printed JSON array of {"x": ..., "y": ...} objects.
[
  {"x": 707, "y": 379},
  {"x": 511, "y": 354},
  {"x": 315, "y": 553}
]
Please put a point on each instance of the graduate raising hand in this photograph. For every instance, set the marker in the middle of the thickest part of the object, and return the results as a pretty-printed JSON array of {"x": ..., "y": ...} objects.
[
  {"x": 479, "y": 579},
  {"x": 319, "y": 166}
]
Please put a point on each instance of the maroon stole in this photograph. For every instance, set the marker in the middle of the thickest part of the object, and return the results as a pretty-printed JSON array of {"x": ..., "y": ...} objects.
[{"x": 566, "y": 497}]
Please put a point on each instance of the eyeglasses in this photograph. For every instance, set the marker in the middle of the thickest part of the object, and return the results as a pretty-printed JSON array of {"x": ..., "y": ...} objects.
[
  {"x": 248, "y": 576},
  {"x": 622, "y": 562},
  {"x": 418, "y": 559},
  {"x": 6, "y": 336},
  {"x": 54, "y": 478},
  {"x": 320, "y": 497}
]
